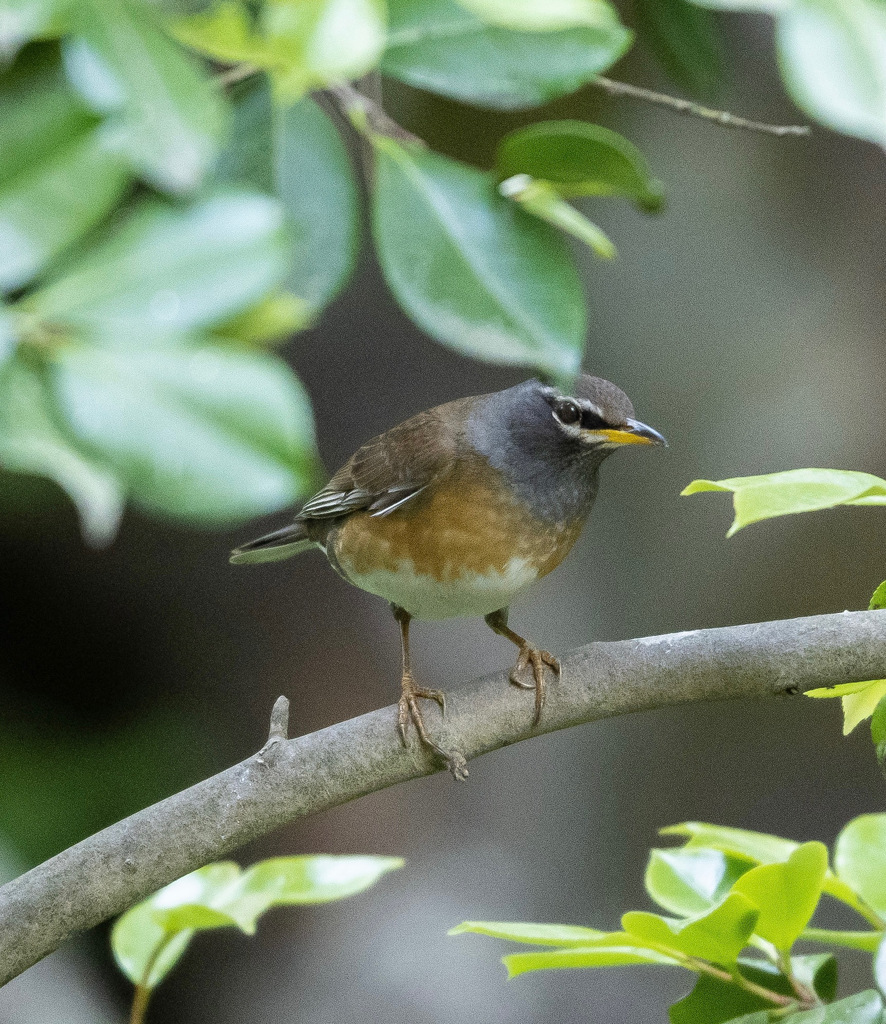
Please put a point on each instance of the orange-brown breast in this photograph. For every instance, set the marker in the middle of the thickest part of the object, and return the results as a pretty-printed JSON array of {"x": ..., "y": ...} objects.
[{"x": 463, "y": 525}]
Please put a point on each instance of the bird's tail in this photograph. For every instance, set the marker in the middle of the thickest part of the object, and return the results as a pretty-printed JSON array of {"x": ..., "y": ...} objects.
[{"x": 273, "y": 547}]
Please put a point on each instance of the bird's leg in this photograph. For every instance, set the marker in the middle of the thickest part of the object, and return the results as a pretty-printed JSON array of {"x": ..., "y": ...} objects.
[
  {"x": 408, "y": 709},
  {"x": 529, "y": 655}
]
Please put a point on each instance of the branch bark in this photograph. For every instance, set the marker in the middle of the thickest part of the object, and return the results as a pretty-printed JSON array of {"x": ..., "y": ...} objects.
[{"x": 287, "y": 779}]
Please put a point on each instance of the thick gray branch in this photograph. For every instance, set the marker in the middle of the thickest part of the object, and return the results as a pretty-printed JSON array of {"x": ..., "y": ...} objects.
[{"x": 105, "y": 874}]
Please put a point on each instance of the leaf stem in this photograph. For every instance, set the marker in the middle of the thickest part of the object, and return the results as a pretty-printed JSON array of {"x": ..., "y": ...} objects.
[
  {"x": 140, "y": 999},
  {"x": 807, "y": 996},
  {"x": 680, "y": 106},
  {"x": 736, "y": 978},
  {"x": 367, "y": 115}
]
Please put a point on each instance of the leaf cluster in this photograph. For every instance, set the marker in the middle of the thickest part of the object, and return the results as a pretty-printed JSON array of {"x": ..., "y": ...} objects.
[{"x": 736, "y": 904}]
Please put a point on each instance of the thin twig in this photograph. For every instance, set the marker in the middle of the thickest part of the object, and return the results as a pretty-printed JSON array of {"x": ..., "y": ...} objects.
[
  {"x": 234, "y": 74},
  {"x": 362, "y": 110},
  {"x": 103, "y": 875},
  {"x": 721, "y": 117}
]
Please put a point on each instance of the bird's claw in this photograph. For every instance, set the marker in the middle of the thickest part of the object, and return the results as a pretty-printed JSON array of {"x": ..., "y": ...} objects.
[
  {"x": 538, "y": 659},
  {"x": 408, "y": 711}
]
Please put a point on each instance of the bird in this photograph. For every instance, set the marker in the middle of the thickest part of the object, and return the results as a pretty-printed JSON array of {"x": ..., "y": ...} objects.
[{"x": 458, "y": 510}]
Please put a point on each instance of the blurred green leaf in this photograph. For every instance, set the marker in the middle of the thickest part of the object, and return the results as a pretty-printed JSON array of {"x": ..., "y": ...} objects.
[
  {"x": 684, "y": 40},
  {"x": 39, "y": 112},
  {"x": 564, "y": 935},
  {"x": 601, "y": 956},
  {"x": 23, "y": 20},
  {"x": 878, "y": 600},
  {"x": 580, "y": 160},
  {"x": 320, "y": 42},
  {"x": 880, "y": 965},
  {"x": 540, "y": 15},
  {"x": 690, "y": 881},
  {"x": 543, "y": 201},
  {"x": 719, "y": 935},
  {"x": 272, "y": 319},
  {"x": 47, "y": 207},
  {"x": 833, "y": 60},
  {"x": 797, "y": 490},
  {"x": 863, "y": 1008},
  {"x": 221, "y": 895},
  {"x": 442, "y": 47},
  {"x": 475, "y": 272},
  {"x": 860, "y": 858},
  {"x": 31, "y": 441},
  {"x": 170, "y": 270},
  {"x": 8, "y": 335},
  {"x": 203, "y": 434},
  {"x": 163, "y": 112},
  {"x": 297, "y": 153},
  {"x": 786, "y": 894},
  {"x": 225, "y": 32}
]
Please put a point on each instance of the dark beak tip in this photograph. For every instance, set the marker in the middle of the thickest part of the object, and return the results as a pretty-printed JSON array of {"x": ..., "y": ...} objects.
[{"x": 650, "y": 433}]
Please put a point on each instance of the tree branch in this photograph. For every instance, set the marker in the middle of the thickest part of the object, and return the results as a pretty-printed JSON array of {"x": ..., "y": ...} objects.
[
  {"x": 679, "y": 106},
  {"x": 108, "y": 872}
]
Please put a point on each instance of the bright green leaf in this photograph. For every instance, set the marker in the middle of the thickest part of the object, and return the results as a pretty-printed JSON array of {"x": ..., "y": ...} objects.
[
  {"x": 205, "y": 435},
  {"x": 866, "y": 941},
  {"x": 321, "y": 42},
  {"x": 169, "y": 270},
  {"x": 163, "y": 112},
  {"x": 712, "y": 1001},
  {"x": 798, "y": 490},
  {"x": 691, "y": 881},
  {"x": 878, "y": 600},
  {"x": 861, "y": 705},
  {"x": 540, "y": 15},
  {"x": 224, "y": 32},
  {"x": 564, "y": 935},
  {"x": 47, "y": 207},
  {"x": 719, "y": 935},
  {"x": 786, "y": 894},
  {"x": 863, "y": 1008},
  {"x": 841, "y": 690},
  {"x": 833, "y": 60},
  {"x": 579, "y": 160},
  {"x": 442, "y": 47},
  {"x": 878, "y": 722},
  {"x": 32, "y": 441},
  {"x": 542, "y": 201},
  {"x": 684, "y": 40},
  {"x": 472, "y": 270},
  {"x": 756, "y": 846},
  {"x": 602, "y": 956},
  {"x": 272, "y": 319},
  {"x": 860, "y": 858}
]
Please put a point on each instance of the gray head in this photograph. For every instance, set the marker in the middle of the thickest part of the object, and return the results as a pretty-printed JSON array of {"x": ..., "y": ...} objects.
[{"x": 550, "y": 444}]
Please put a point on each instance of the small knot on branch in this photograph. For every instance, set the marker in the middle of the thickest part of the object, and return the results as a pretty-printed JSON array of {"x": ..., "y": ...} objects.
[{"x": 279, "y": 727}]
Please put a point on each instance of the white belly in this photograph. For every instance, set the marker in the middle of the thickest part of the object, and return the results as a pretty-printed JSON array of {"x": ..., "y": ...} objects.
[{"x": 468, "y": 594}]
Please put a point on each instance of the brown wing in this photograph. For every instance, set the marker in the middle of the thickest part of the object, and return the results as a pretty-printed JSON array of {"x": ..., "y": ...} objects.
[{"x": 394, "y": 467}]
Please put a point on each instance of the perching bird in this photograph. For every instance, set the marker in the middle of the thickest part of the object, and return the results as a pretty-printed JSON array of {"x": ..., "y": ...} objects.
[{"x": 459, "y": 509}]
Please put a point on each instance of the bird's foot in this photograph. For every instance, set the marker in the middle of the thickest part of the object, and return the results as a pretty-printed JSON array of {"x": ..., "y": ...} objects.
[
  {"x": 538, "y": 659},
  {"x": 408, "y": 710}
]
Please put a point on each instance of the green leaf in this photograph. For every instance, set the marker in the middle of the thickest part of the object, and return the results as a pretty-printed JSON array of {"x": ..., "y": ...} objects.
[
  {"x": 224, "y": 32},
  {"x": 865, "y": 941},
  {"x": 220, "y": 895},
  {"x": 817, "y": 972},
  {"x": 713, "y": 1001},
  {"x": 163, "y": 113},
  {"x": 439, "y": 46},
  {"x": 878, "y": 721},
  {"x": 797, "y": 490},
  {"x": 860, "y": 858},
  {"x": 9, "y": 332},
  {"x": 601, "y": 956},
  {"x": 863, "y": 1008},
  {"x": 39, "y": 113},
  {"x": 202, "y": 434},
  {"x": 297, "y": 153},
  {"x": 539, "y": 15},
  {"x": 786, "y": 894},
  {"x": 31, "y": 441},
  {"x": 880, "y": 964},
  {"x": 168, "y": 270},
  {"x": 719, "y": 935},
  {"x": 272, "y": 319},
  {"x": 684, "y": 40},
  {"x": 542, "y": 201},
  {"x": 24, "y": 20},
  {"x": 878, "y": 600},
  {"x": 691, "y": 881},
  {"x": 565, "y": 935},
  {"x": 841, "y": 690},
  {"x": 833, "y": 60},
  {"x": 47, "y": 207},
  {"x": 321, "y": 42},
  {"x": 755, "y": 846},
  {"x": 861, "y": 705},
  {"x": 580, "y": 160},
  {"x": 472, "y": 270}
]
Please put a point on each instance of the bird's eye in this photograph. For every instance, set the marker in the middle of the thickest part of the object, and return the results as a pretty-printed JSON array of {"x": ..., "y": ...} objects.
[{"x": 568, "y": 413}]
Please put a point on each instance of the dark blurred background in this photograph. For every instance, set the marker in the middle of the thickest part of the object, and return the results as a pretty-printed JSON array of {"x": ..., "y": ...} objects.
[{"x": 747, "y": 323}]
